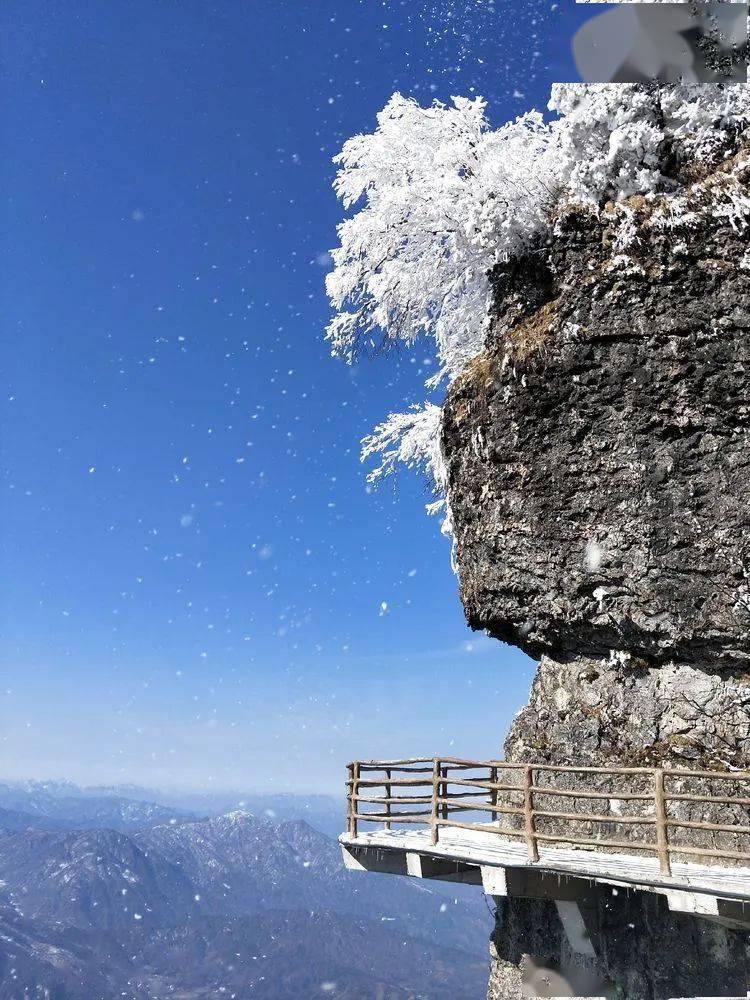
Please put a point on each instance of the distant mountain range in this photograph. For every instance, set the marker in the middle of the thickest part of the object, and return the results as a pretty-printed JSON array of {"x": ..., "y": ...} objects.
[
  {"x": 130, "y": 807},
  {"x": 103, "y": 896}
]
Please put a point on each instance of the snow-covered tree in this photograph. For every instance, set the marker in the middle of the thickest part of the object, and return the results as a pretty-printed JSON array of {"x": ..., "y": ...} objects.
[{"x": 438, "y": 188}]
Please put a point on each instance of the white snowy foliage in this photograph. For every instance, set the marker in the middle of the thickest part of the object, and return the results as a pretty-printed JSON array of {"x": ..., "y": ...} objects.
[
  {"x": 442, "y": 199},
  {"x": 701, "y": 117},
  {"x": 441, "y": 196},
  {"x": 410, "y": 439},
  {"x": 732, "y": 203},
  {"x": 610, "y": 140},
  {"x": 605, "y": 147}
]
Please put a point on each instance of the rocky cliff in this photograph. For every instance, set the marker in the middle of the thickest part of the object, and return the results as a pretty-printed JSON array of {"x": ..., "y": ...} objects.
[{"x": 599, "y": 485}]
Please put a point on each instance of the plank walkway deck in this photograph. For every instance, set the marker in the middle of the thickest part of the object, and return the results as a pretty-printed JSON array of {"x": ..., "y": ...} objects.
[{"x": 481, "y": 848}]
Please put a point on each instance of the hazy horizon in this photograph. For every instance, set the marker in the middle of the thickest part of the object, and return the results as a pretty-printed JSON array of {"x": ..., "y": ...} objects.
[{"x": 140, "y": 791}]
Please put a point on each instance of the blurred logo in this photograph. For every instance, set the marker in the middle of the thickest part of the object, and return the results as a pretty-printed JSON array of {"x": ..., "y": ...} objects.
[{"x": 691, "y": 42}]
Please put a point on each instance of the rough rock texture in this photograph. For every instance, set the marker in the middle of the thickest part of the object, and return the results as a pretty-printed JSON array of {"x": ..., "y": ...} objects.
[
  {"x": 599, "y": 482},
  {"x": 643, "y": 950},
  {"x": 634, "y": 713},
  {"x": 603, "y": 503},
  {"x": 599, "y": 472}
]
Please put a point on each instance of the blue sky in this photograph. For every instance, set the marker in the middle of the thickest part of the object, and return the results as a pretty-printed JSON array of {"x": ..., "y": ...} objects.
[{"x": 193, "y": 569}]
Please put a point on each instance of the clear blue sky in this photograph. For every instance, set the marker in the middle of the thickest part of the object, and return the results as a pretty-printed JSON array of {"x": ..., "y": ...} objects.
[{"x": 192, "y": 567}]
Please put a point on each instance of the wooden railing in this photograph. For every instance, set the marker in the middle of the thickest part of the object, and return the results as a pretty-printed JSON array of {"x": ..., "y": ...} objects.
[{"x": 517, "y": 798}]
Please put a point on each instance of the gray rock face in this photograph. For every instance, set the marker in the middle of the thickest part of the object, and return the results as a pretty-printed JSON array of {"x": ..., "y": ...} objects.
[
  {"x": 599, "y": 485},
  {"x": 633, "y": 713},
  {"x": 599, "y": 463},
  {"x": 600, "y": 488}
]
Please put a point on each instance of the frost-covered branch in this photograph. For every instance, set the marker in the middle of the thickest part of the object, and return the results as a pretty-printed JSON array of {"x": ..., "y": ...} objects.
[{"x": 409, "y": 439}]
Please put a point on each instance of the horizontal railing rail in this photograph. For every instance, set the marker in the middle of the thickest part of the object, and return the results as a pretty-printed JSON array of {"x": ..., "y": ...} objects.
[{"x": 527, "y": 803}]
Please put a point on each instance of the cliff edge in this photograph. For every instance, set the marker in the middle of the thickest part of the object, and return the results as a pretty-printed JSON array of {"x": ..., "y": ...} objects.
[{"x": 598, "y": 476}]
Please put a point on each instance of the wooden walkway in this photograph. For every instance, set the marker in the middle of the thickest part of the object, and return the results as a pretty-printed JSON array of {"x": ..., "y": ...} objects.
[
  {"x": 482, "y": 849},
  {"x": 561, "y": 819}
]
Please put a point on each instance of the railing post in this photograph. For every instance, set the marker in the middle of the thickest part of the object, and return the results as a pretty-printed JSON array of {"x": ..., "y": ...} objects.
[
  {"x": 434, "y": 829},
  {"x": 388, "y": 799},
  {"x": 349, "y": 786},
  {"x": 493, "y": 792},
  {"x": 353, "y": 786},
  {"x": 444, "y": 792},
  {"x": 528, "y": 812},
  {"x": 662, "y": 831}
]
